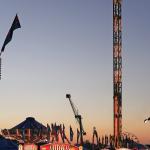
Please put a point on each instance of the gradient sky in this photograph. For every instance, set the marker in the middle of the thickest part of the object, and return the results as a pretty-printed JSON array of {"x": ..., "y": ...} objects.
[{"x": 65, "y": 46}]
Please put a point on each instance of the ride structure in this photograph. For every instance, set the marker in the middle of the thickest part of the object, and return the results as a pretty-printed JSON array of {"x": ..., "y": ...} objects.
[
  {"x": 117, "y": 70},
  {"x": 78, "y": 118}
]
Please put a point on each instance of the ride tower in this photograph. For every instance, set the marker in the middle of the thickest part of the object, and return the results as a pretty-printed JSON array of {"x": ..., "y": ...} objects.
[{"x": 117, "y": 71}]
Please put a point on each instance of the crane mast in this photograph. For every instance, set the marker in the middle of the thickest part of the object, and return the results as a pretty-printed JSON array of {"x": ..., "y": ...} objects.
[
  {"x": 117, "y": 70},
  {"x": 78, "y": 118}
]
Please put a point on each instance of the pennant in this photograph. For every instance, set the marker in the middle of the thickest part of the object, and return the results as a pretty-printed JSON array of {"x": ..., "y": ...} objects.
[
  {"x": 48, "y": 132},
  {"x": 95, "y": 133},
  {"x": 102, "y": 140},
  {"x": 99, "y": 140},
  {"x": 71, "y": 134},
  {"x": 48, "y": 128},
  {"x": 63, "y": 133},
  {"x": 15, "y": 25}
]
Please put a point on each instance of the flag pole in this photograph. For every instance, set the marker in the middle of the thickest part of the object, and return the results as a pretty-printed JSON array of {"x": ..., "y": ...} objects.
[
  {"x": 0, "y": 66},
  {"x": 15, "y": 25}
]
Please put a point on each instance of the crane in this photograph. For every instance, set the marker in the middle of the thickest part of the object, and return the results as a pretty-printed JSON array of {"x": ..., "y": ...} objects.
[{"x": 78, "y": 118}]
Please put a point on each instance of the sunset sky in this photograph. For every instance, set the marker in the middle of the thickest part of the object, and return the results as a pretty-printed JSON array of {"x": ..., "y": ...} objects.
[{"x": 65, "y": 46}]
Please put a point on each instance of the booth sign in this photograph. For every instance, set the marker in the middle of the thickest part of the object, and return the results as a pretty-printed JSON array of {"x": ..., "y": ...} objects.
[{"x": 58, "y": 147}]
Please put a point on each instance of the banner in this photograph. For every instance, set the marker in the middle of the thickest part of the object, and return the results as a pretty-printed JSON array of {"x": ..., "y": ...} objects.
[{"x": 56, "y": 146}]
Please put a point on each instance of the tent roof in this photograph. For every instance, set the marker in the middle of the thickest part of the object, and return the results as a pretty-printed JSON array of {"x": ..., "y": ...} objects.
[{"x": 29, "y": 123}]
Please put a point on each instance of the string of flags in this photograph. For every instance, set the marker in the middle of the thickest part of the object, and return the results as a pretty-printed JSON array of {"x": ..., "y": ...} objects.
[
  {"x": 15, "y": 25},
  {"x": 54, "y": 131}
]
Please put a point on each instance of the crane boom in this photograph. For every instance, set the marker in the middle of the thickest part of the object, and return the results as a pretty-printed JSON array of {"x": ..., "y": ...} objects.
[
  {"x": 78, "y": 118},
  {"x": 75, "y": 111}
]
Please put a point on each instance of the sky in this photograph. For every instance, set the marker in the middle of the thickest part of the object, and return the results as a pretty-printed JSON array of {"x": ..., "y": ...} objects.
[{"x": 65, "y": 46}]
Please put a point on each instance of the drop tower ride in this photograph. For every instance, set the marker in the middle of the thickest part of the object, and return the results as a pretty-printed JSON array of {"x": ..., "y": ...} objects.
[{"x": 117, "y": 70}]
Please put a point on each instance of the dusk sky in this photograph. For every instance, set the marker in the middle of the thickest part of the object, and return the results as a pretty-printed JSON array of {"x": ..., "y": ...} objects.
[{"x": 65, "y": 46}]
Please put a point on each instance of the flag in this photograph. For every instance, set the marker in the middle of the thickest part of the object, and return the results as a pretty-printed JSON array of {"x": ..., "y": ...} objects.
[
  {"x": 48, "y": 128},
  {"x": 99, "y": 140},
  {"x": 102, "y": 140},
  {"x": 48, "y": 132},
  {"x": 15, "y": 25},
  {"x": 95, "y": 133},
  {"x": 71, "y": 134},
  {"x": 63, "y": 133}
]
